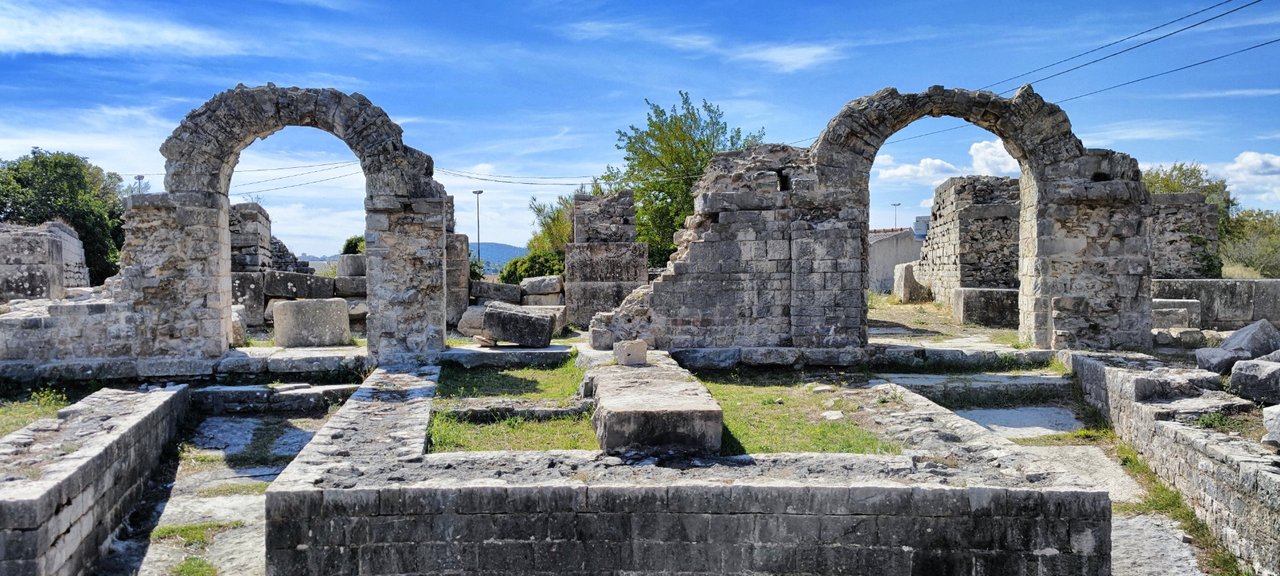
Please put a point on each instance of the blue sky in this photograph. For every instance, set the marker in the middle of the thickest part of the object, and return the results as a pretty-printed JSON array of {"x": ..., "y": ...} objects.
[{"x": 537, "y": 91}]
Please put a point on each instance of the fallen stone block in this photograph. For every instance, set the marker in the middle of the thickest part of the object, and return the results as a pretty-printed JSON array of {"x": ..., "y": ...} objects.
[
  {"x": 506, "y": 323},
  {"x": 557, "y": 314},
  {"x": 303, "y": 323},
  {"x": 542, "y": 285},
  {"x": 656, "y": 405},
  {"x": 630, "y": 352},
  {"x": 1218, "y": 360},
  {"x": 601, "y": 339},
  {"x": 1271, "y": 421},
  {"x": 493, "y": 291},
  {"x": 1257, "y": 339},
  {"x": 905, "y": 286},
  {"x": 472, "y": 321},
  {"x": 345, "y": 286},
  {"x": 351, "y": 265},
  {"x": 277, "y": 284},
  {"x": 1256, "y": 380},
  {"x": 556, "y": 299}
]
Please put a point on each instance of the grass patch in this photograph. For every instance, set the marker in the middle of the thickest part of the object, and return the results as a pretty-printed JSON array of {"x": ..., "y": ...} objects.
[
  {"x": 235, "y": 489},
  {"x": 449, "y": 434},
  {"x": 1246, "y": 424},
  {"x": 357, "y": 341},
  {"x": 1237, "y": 270},
  {"x": 1215, "y": 560},
  {"x": 268, "y": 343},
  {"x": 1009, "y": 339},
  {"x": 559, "y": 382},
  {"x": 257, "y": 453},
  {"x": 1083, "y": 436},
  {"x": 196, "y": 535},
  {"x": 40, "y": 404},
  {"x": 771, "y": 412},
  {"x": 877, "y": 300},
  {"x": 193, "y": 566}
]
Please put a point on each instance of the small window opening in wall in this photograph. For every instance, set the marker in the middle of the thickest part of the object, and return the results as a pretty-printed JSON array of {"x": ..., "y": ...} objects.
[
  {"x": 1101, "y": 177},
  {"x": 784, "y": 181}
]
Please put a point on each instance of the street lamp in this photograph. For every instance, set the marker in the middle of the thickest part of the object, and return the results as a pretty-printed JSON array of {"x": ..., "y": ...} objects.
[
  {"x": 478, "y": 193},
  {"x": 895, "y": 213},
  {"x": 139, "y": 179}
]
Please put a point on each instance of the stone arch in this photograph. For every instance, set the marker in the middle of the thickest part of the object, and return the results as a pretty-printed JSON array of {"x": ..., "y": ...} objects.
[
  {"x": 771, "y": 268},
  {"x": 182, "y": 276},
  {"x": 1084, "y": 264}
]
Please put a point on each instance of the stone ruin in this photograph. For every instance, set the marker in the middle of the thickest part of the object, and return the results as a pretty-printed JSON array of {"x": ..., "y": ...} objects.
[
  {"x": 40, "y": 261},
  {"x": 604, "y": 262}
]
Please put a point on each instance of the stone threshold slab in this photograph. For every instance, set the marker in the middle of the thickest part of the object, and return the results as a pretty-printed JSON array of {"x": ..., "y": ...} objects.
[
  {"x": 658, "y": 404},
  {"x": 257, "y": 399},
  {"x": 474, "y": 356}
]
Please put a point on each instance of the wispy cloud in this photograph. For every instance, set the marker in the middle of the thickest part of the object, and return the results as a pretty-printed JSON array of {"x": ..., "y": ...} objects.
[
  {"x": 786, "y": 57},
  {"x": 1240, "y": 93},
  {"x": 51, "y": 28},
  {"x": 1131, "y": 130}
]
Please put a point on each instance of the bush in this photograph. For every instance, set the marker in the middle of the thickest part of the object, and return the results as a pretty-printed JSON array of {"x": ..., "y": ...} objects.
[
  {"x": 530, "y": 265},
  {"x": 477, "y": 270},
  {"x": 354, "y": 245}
]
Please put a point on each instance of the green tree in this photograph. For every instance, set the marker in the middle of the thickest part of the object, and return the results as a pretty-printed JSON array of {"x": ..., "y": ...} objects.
[
  {"x": 1192, "y": 177},
  {"x": 1255, "y": 241},
  {"x": 353, "y": 245},
  {"x": 530, "y": 265},
  {"x": 42, "y": 186},
  {"x": 664, "y": 160},
  {"x": 554, "y": 223}
]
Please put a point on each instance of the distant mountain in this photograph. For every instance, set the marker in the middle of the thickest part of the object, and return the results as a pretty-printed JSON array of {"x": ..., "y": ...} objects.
[{"x": 497, "y": 255}]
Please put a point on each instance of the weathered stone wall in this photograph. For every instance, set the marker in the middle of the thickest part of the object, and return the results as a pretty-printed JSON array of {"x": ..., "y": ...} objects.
[
  {"x": 285, "y": 260},
  {"x": 60, "y": 520},
  {"x": 30, "y": 263},
  {"x": 1184, "y": 237},
  {"x": 604, "y": 263},
  {"x": 972, "y": 240},
  {"x": 1225, "y": 304},
  {"x": 251, "y": 239},
  {"x": 459, "y": 277},
  {"x": 1232, "y": 483},
  {"x": 75, "y": 274}
]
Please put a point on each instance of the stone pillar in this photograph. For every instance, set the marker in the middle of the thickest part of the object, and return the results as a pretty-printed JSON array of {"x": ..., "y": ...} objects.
[
  {"x": 250, "y": 238},
  {"x": 459, "y": 277},
  {"x": 31, "y": 263},
  {"x": 404, "y": 250},
  {"x": 604, "y": 263},
  {"x": 176, "y": 269}
]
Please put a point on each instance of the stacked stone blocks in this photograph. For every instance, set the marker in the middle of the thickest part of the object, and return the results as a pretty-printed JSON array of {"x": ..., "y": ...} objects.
[
  {"x": 604, "y": 263},
  {"x": 1184, "y": 236},
  {"x": 973, "y": 237},
  {"x": 40, "y": 261}
]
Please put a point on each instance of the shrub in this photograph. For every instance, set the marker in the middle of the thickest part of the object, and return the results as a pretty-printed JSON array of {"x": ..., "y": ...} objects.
[
  {"x": 530, "y": 265},
  {"x": 354, "y": 245}
]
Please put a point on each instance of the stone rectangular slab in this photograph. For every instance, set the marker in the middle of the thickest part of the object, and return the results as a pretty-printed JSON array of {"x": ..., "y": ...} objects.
[
  {"x": 655, "y": 405},
  {"x": 509, "y": 293},
  {"x": 473, "y": 356}
]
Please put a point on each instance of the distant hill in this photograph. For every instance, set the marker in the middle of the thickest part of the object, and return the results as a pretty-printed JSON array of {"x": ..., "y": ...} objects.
[{"x": 497, "y": 255}]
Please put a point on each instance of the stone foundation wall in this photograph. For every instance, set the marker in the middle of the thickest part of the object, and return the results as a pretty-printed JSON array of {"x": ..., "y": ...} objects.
[
  {"x": 1233, "y": 484},
  {"x": 973, "y": 236},
  {"x": 1184, "y": 237},
  {"x": 251, "y": 239},
  {"x": 604, "y": 263},
  {"x": 459, "y": 277},
  {"x": 1225, "y": 304},
  {"x": 284, "y": 260},
  {"x": 75, "y": 274},
  {"x": 57, "y": 517},
  {"x": 40, "y": 261}
]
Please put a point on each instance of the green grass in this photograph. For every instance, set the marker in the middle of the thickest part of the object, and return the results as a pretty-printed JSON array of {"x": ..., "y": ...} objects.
[
  {"x": 357, "y": 341},
  {"x": 559, "y": 382},
  {"x": 1009, "y": 339},
  {"x": 193, "y": 566},
  {"x": 1215, "y": 560},
  {"x": 1237, "y": 270},
  {"x": 268, "y": 343},
  {"x": 876, "y": 300},
  {"x": 41, "y": 404},
  {"x": 196, "y": 535},
  {"x": 257, "y": 453},
  {"x": 1079, "y": 437},
  {"x": 235, "y": 489},
  {"x": 456, "y": 341},
  {"x": 768, "y": 411},
  {"x": 449, "y": 434}
]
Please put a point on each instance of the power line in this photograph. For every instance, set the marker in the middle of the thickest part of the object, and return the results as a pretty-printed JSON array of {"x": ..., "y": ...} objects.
[
  {"x": 507, "y": 181},
  {"x": 296, "y": 175},
  {"x": 247, "y": 170},
  {"x": 1136, "y": 46},
  {"x": 296, "y": 185},
  {"x": 1108, "y": 45},
  {"x": 1167, "y": 72},
  {"x": 469, "y": 173}
]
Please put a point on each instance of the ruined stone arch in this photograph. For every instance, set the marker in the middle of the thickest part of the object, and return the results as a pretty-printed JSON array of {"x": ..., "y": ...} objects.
[{"x": 179, "y": 272}]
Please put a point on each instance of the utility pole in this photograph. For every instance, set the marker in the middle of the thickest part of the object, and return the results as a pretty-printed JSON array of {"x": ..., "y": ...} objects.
[
  {"x": 478, "y": 193},
  {"x": 139, "y": 179},
  {"x": 895, "y": 213}
]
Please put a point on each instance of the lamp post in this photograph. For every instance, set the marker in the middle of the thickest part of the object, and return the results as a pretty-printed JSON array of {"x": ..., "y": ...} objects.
[
  {"x": 139, "y": 179},
  {"x": 895, "y": 213},
  {"x": 478, "y": 193}
]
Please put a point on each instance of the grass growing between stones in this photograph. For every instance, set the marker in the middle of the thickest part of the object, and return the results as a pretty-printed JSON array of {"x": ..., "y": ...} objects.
[
  {"x": 235, "y": 489},
  {"x": 772, "y": 411},
  {"x": 196, "y": 535},
  {"x": 194, "y": 566},
  {"x": 525, "y": 383},
  {"x": 1215, "y": 559},
  {"x": 40, "y": 404},
  {"x": 1246, "y": 424},
  {"x": 449, "y": 434}
]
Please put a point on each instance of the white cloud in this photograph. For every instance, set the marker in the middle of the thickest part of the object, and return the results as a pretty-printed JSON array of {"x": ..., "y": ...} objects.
[
  {"x": 991, "y": 159},
  {"x": 49, "y": 28},
  {"x": 1254, "y": 177},
  {"x": 789, "y": 57},
  {"x": 927, "y": 202},
  {"x": 930, "y": 171},
  {"x": 781, "y": 57},
  {"x": 1130, "y": 130},
  {"x": 1240, "y": 93}
]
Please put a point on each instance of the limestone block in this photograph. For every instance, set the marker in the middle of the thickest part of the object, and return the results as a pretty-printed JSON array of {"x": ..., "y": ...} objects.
[
  {"x": 1256, "y": 339},
  {"x": 905, "y": 286},
  {"x": 239, "y": 332},
  {"x": 344, "y": 286},
  {"x": 351, "y": 265},
  {"x": 708, "y": 358},
  {"x": 247, "y": 291},
  {"x": 657, "y": 404},
  {"x": 584, "y": 299},
  {"x": 992, "y": 307},
  {"x": 472, "y": 321},
  {"x": 630, "y": 352},
  {"x": 269, "y": 311},
  {"x": 1218, "y": 360},
  {"x": 302, "y": 323},
  {"x": 1257, "y": 380},
  {"x": 279, "y": 284},
  {"x": 513, "y": 324},
  {"x": 493, "y": 291},
  {"x": 1175, "y": 313},
  {"x": 542, "y": 285},
  {"x": 1271, "y": 421},
  {"x": 357, "y": 309},
  {"x": 556, "y": 299},
  {"x": 608, "y": 262},
  {"x": 601, "y": 339},
  {"x": 557, "y": 314}
]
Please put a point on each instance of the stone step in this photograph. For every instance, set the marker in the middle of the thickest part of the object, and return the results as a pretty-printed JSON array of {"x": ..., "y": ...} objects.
[{"x": 658, "y": 404}]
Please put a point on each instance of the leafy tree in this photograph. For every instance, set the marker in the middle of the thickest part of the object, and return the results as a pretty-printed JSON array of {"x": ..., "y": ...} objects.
[
  {"x": 1255, "y": 241},
  {"x": 476, "y": 270},
  {"x": 42, "y": 186},
  {"x": 554, "y": 221},
  {"x": 1192, "y": 177},
  {"x": 353, "y": 245},
  {"x": 664, "y": 160},
  {"x": 530, "y": 265}
]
